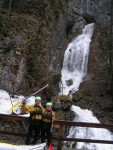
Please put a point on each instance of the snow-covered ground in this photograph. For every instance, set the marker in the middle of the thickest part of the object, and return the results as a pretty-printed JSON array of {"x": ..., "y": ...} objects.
[
  {"x": 6, "y": 102},
  {"x": 4, "y": 146}
]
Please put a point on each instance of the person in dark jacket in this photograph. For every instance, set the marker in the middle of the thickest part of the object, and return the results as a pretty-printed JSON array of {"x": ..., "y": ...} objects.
[
  {"x": 47, "y": 123},
  {"x": 36, "y": 111}
]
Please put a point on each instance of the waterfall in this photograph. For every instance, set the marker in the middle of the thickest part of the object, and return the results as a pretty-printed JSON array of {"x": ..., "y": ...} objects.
[
  {"x": 75, "y": 61},
  {"x": 85, "y": 115},
  {"x": 73, "y": 71}
]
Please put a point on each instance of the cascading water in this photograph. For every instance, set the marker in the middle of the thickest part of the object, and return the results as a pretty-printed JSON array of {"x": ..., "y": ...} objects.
[
  {"x": 84, "y": 115},
  {"x": 73, "y": 71},
  {"x": 75, "y": 61}
]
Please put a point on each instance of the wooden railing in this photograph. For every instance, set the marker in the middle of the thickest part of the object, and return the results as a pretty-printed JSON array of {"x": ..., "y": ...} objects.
[{"x": 62, "y": 125}]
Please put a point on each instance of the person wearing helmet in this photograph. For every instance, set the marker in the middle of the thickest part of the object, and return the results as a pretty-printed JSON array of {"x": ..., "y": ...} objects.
[
  {"x": 47, "y": 121},
  {"x": 35, "y": 119}
]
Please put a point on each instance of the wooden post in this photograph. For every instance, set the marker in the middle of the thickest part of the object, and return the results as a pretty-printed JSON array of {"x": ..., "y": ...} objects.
[{"x": 61, "y": 134}]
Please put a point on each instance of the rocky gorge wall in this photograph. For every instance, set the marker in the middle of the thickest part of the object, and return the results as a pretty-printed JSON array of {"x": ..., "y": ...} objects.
[{"x": 33, "y": 38}]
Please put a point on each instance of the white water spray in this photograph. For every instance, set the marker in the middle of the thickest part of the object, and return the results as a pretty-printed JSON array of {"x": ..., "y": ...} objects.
[
  {"x": 75, "y": 61},
  {"x": 85, "y": 115},
  {"x": 74, "y": 69}
]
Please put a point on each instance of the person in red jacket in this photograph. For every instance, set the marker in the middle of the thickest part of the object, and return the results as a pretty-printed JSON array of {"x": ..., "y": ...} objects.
[{"x": 48, "y": 118}]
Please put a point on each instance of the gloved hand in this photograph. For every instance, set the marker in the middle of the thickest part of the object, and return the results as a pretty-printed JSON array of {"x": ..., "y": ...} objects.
[{"x": 24, "y": 101}]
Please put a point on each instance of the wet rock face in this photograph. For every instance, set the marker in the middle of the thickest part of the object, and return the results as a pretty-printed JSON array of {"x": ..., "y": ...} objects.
[
  {"x": 61, "y": 102},
  {"x": 100, "y": 10},
  {"x": 12, "y": 63},
  {"x": 95, "y": 96},
  {"x": 75, "y": 21},
  {"x": 34, "y": 37}
]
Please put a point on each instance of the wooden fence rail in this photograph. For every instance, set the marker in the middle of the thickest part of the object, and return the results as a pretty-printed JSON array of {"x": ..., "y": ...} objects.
[{"x": 62, "y": 125}]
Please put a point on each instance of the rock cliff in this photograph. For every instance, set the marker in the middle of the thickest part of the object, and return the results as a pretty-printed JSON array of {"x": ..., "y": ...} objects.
[{"x": 33, "y": 37}]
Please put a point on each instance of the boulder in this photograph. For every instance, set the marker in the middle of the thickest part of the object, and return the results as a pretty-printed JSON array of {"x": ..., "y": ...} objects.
[{"x": 62, "y": 102}]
